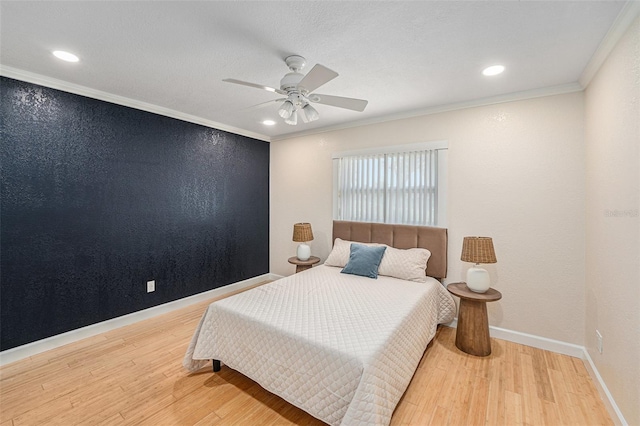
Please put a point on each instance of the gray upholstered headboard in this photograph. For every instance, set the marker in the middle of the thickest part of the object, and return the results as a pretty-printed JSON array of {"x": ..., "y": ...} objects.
[{"x": 402, "y": 237}]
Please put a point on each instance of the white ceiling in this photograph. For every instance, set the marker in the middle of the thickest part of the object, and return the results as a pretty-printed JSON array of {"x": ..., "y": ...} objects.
[{"x": 401, "y": 56}]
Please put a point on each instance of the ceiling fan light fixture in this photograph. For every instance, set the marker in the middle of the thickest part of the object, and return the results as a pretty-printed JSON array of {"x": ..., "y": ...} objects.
[
  {"x": 286, "y": 109},
  {"x": 292, "y": 119},
  {"x": 310, "y": 113}
]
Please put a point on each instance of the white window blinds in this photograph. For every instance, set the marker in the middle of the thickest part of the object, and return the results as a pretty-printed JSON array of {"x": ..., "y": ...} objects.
[{"x": 388, "y": 187}]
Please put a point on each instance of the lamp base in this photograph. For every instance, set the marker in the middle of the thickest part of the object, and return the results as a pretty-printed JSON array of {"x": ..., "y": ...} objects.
[
  {"x": 304, "y": 252},
  {"x": 478, "y": 280}
]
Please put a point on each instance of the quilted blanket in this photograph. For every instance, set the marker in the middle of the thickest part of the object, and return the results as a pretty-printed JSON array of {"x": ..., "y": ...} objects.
[{"x": 341, "y": 347}]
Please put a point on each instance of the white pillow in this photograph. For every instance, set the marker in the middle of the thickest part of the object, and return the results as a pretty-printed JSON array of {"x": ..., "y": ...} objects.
[
  {"x": 409, "y": 264},
  {"x": 339, "y": 256}
]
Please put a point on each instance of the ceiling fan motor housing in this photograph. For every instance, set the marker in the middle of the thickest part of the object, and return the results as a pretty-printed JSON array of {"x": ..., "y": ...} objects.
[{"x": 290, "y": 81}]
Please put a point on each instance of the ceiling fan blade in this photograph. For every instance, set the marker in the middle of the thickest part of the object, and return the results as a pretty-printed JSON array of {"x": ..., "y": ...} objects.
[
  {"x": 315, "y": 78},
  {"x": 257, "y": 86},
  {"x": 264, "y": 104},
  {"x": 340, "y": 102}
]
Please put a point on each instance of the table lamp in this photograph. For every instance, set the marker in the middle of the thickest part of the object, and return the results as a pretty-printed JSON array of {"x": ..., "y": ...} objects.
[
  {"x": 478, "y": 250},
  {"x": 301, "y": 234}
]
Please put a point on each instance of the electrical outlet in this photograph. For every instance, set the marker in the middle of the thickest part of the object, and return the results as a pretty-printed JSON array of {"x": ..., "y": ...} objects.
[
  {"x": 151, "y": 286},
  {"x": 599, "y": 341}
]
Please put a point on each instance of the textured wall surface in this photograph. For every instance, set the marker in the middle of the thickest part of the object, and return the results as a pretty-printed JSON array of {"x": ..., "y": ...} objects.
[
  {"x": 98, "y": 198},
  {"x": 516, "y": 174},
  {"x": 612, "y": 133}
]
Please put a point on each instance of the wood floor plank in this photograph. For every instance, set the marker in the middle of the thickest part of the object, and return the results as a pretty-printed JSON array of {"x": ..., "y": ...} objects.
[
  {"x": 440, "y": 417},
  {"x": 529, "y": 396},
  {"x": 541, "y": 376},
  {"x": 550, "y": 413},
  {"x": 114, "y": 420},
  {"x": 403, "y": 414},
  {"x": 462, "y": 397},
  {"x": 210, "y": 420},
  {"x": 29, "y": 376},
  {"x": 45, "y": 413},
  {"x": 514, "y": 372},
  {"x": 134, "y": 376},
  {"x": 13, "y": 403},
  {"x": 495, "y": 400},
  {"x": 513, "y": 408},
  {"x": 99, "y": 406},
  {"x": 563, "y": 401},
  {"x": 150, "y": 395},
  {"x": 553, "y": 360},
  {"x": 9, "y": 371},
  {"x": 479, "y": 402},
  {"x": 426, "y": 401}
]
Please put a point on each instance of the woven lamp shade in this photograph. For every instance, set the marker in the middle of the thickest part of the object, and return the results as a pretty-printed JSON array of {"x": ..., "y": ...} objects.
[
  {"x": 302, "y": 232},
  {"x": 478, "y": 250}
]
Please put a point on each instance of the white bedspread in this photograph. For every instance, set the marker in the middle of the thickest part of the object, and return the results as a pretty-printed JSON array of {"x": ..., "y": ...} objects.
[{"x": 341, "y": 347}]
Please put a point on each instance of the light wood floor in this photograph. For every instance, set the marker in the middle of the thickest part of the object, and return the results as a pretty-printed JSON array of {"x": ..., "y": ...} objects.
[{"x": 134, "y": 375}]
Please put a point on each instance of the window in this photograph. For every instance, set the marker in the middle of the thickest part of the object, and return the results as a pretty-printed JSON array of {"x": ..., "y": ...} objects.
[{"x": 402, "y": 184}]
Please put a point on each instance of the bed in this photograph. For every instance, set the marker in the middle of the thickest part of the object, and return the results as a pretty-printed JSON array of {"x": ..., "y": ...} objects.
[{"x": 341, "y": 347}]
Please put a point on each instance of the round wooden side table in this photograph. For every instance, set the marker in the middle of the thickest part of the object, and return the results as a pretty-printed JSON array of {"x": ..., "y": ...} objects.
[
  {"x": 472, "y": 334},
  {"x": 303, "y": 265}
]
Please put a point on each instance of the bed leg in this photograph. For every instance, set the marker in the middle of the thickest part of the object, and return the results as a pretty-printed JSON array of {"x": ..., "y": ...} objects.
[{"x": 216, "y": 365}]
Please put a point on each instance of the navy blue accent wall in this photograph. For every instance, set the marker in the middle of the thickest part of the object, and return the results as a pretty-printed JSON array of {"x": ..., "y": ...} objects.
[{"x": 98, "y": 198}]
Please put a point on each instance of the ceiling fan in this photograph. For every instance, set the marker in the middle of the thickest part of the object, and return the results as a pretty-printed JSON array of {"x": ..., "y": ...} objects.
[{"x": 298, "y": 89}]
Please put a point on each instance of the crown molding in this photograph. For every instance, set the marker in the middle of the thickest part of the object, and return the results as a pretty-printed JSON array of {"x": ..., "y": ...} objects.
[
  {"x": 64, "y": 86},
  {"x": 510, "y": 97},
  {"x": 121, "y": 100},
  {"x": 630, "y": 11}
]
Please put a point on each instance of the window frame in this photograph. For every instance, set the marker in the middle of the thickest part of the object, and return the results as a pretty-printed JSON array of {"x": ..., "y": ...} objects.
[{"x": 441, "y": 146}]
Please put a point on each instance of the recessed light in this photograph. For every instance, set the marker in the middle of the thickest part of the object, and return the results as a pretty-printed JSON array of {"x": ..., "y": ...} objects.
[
  {"x": 493, "y": 70},
  {"x": 268, "y": 122},
  {"x": 65, "y": 56}
]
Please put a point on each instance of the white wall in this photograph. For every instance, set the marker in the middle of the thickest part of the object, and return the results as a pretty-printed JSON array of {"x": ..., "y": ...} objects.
[
  {"x": 516, "y": 173},
  {"x": 612, "y": 130}
]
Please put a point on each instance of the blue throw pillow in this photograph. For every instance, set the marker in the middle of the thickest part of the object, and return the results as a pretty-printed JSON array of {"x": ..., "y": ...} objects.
[{"x": 364, "y": 260}]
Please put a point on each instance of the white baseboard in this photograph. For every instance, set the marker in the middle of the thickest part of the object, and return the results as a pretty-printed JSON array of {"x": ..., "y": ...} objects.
[
  {"x": 33, "y": 348},
  {"x": 564, "y": 348},
  {"x": 533, "y": 341},
  {"x": 609, "y": 402}
]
